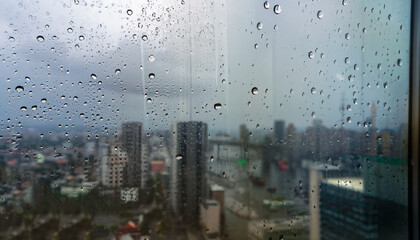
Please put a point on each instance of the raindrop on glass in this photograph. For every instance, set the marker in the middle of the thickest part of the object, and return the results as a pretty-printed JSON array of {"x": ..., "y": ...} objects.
[
  {"x": 19, "y": 88},
  {"x": 254, "y": 91},
  {"x": 346, "y": 60},
  {"x": 266, "y": 5},
  {"x": 129, "y": 12},
  {"x": 151, "y": 58},
  {"x": 277, "y": 9},
  {"x": 259, "y": 25},
  {"x": 347, "y": 36},
  {"x": 151, "y": 75},
  {"x": 93, "y": 76},
  {"x": 217, "y": 106},
  {"x": 40, "y": 38},
  {"x": 320, "y": 14},
  {"x": 311, "y": 55}
]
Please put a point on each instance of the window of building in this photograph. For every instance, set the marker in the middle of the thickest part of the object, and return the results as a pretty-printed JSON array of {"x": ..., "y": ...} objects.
[{"x": 197, "y": 119}]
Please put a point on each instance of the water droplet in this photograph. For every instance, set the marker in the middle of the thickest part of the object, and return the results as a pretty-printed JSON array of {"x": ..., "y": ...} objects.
[
  {"x": 348, "y": 107},
  {"x": 277, "y": 9},
  {"x": 345, "y": 2},
  {"x": 81, "y": 37},
  {"x": 69, "y": 30},
  {"x": 320, "y": 14},
  {"x": 385, "y": 85},
  {"x": 266, "y": 5},
  {"x": 349, "y": 119},
  {"x": 347, "y": 36},
  {"x": 217, "y": 106},
  {"x": 379, "y": 66},
  {"x": 151, "y": 75},
  {"x": 179, "y": 157},
  {"x": 311, "y": 55},
  {"x": 12, "y": 39},
  {"x": 259, "y": 25},
  {"x": 19, "y": 88},
  {"x": 151, "y": 58},
  {"x": 93, "y": 76},
  {"x": 129, "y": 12},
  {"x": 82, "y": 115},
  {"x": 44, "y": 100},
  {"x": 149, "y": 100},
  {"x": 356, "y": 67},
  {"x": 23, "y": 108},
  {"x": 346, "y": 60},
  {"x": 256, "y": 46},
  {"x": 390, "y": 17},
  {"x": 144, "y": 37},
  {"x": 40, "y": 38},
  {"x": 117, "y": 71},
  {"x": 399, "y": 62},
  {"x": 313, "y": 114},
  {"x": 313, "y": 90},
  {"x": 34, "y": 107},
  {"x": 254, "y": 91}
]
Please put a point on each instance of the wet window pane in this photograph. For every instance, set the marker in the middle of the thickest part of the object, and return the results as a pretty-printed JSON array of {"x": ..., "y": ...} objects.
[{"x": 220, "y": 119}]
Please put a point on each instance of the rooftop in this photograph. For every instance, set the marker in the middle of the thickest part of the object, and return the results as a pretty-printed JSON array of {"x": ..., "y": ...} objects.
[{"x": 352, "y": 183}]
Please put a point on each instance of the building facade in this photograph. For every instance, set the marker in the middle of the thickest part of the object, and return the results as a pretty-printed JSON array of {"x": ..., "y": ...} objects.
[{"x": 188, "y": 183}]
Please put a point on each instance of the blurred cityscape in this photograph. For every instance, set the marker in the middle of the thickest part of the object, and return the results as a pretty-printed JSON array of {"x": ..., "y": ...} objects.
[{"x": 184, "y": 183}]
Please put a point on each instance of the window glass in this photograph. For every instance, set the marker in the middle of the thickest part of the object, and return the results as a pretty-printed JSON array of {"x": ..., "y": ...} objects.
[{"x": 220, "y": 119}]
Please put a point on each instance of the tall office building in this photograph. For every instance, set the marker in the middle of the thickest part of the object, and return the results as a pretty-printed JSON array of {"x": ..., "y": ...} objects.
[
  {"x": 116, "y": 162},
  {"x": 372, "y": 202},
  {"x": 344, "y": 207},
  {"x": 131, "y": 144},
  {"x": 279, "y": 131},
  {"x": 188, "y": 183}
]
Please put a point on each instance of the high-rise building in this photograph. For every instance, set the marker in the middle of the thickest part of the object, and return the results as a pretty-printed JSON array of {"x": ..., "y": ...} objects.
[
  {"x": 131, "y": 144},
  {"x": 116, "y": 163},
  {"x": 344, "y": 207},
  {"x": 372, "y": 202},
  {"x": 291, "y": 143},
  {"x": 279, "y": 131},
  {"x": 317, "y": 172},
  {"x": 188, "y": 183}
]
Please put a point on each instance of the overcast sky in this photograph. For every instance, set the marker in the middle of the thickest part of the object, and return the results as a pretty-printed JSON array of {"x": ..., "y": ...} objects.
[{"x": 306, "y": 61}]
